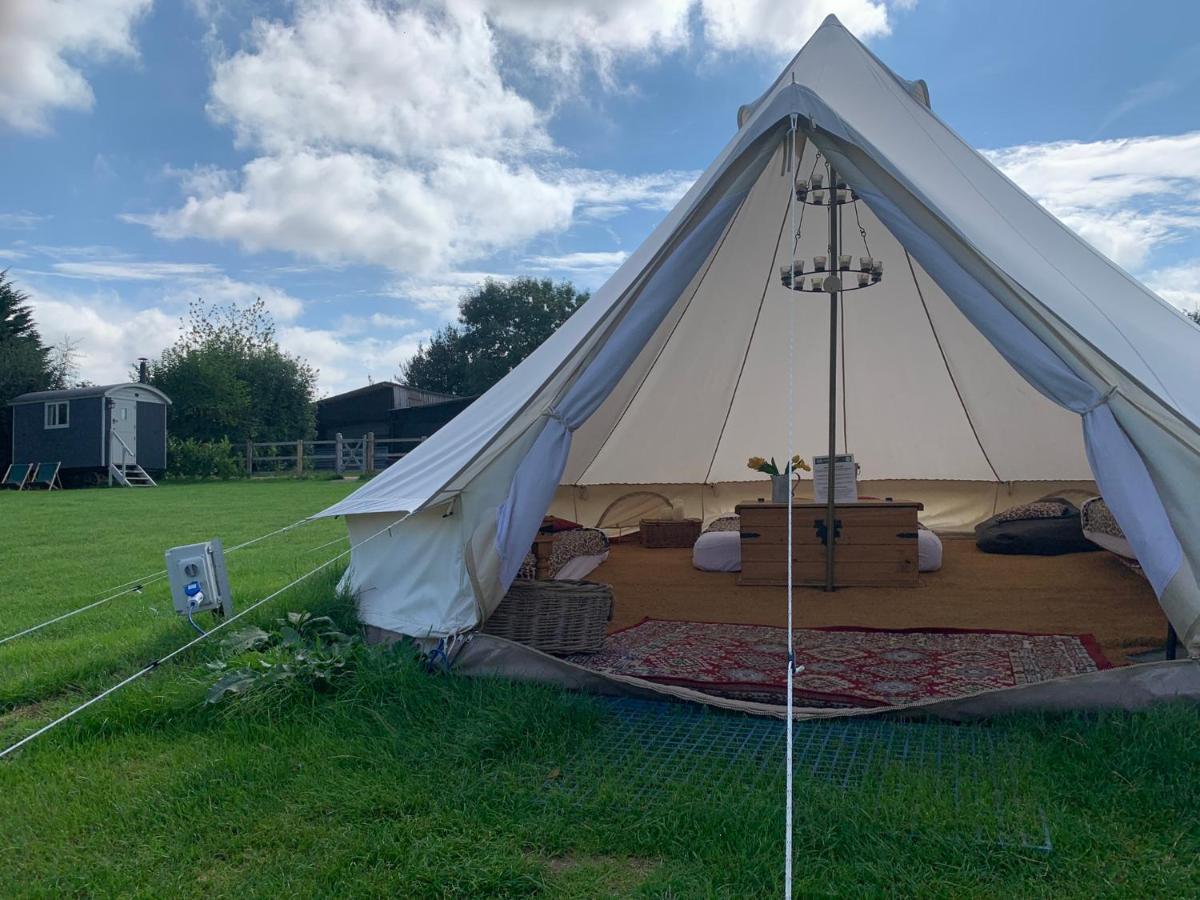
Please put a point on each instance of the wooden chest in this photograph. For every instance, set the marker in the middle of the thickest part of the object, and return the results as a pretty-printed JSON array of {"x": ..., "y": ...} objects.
[
  {"x": 874, "y": 544},
  {"x": 661, "y": 533}
]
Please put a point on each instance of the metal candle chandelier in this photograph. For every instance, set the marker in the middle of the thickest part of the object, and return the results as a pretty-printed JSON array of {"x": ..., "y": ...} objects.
[
  {"x": 827, "y": 272},
  {"x": 833, "y": 274}
]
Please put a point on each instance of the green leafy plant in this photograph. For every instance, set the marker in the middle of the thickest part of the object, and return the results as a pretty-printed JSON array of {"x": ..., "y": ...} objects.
[
  {"x": 190, "y": 458},
  {"x": 304, "y": 652}
]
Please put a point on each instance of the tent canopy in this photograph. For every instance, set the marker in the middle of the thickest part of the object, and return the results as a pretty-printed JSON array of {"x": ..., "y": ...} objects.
[{"x": 995, "y": 333}]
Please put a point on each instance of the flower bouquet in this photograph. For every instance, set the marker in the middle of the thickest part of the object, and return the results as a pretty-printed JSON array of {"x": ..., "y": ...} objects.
[{"x": 780, "y": 481}]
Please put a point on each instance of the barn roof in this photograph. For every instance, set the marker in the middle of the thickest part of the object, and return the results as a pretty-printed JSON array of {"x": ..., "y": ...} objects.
[{"x": 82, "y": 393}]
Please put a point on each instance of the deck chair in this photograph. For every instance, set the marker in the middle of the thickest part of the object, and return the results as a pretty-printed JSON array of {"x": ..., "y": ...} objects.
[
  {"x": 45, "y": 476},
  {"x": 16, "y": 475}
]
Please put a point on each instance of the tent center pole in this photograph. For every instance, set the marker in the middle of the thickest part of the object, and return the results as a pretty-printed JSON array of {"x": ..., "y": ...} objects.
[{"x": 832, "y": 283}]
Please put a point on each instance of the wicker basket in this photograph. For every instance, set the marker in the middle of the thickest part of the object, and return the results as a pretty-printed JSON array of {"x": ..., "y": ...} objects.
[
  {"x": 558, "y": 617},
  {"x": 660, "y": 533}
]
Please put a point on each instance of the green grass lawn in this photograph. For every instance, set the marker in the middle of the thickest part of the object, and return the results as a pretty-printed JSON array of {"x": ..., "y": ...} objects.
[{"x": 403, "y": 783}]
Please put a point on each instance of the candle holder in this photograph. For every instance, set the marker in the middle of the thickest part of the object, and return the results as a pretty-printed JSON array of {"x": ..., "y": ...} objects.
[
  {"x": 834, "y": 274},
  {"x": 820, "y": 279},
  {"x": 815, "y": 193}
]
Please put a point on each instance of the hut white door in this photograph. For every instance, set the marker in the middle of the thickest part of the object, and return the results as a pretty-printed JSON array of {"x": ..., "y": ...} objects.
[{"x": 123, "y": 432}]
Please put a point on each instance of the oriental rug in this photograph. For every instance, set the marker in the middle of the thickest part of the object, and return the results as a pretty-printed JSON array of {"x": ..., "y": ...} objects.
[{"x": 841, "y": 666}]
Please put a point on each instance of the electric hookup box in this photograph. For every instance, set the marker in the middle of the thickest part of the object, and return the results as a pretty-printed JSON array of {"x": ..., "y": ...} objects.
[{"x": 198, "y": 578}]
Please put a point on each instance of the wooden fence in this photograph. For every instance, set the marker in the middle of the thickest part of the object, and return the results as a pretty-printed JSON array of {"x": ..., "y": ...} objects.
[{"x": 341, "y": 455}]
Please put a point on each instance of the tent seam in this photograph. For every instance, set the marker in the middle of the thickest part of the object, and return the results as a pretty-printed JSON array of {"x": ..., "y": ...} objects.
[
  {"x": 749, "y": 343},
  {"x": 637, "y": 391},
  {"x": 946, "y": 362}
]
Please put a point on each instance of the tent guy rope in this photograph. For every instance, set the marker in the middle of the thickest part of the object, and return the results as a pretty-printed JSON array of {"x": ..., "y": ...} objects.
[
  {"x": 150, "y": 667},
  {"x": 136, "y": 585}
]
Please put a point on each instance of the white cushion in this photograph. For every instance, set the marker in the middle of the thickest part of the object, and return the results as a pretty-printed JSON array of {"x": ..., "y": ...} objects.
[
  {"x": 929, "y": 551},
  {"x": 721, "y": 551},
  {"x": 580, "y": 567},
  {"x": 718, "y": 551}
]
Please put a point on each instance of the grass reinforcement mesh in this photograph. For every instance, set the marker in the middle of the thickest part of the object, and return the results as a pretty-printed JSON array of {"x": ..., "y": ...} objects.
[{"x": 970, "y": 774}]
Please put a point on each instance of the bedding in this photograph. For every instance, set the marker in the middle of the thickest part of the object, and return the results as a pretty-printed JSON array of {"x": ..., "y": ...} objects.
[
  {"x": 574, "y": 555},
  {"x": 1034, "y": 532}
]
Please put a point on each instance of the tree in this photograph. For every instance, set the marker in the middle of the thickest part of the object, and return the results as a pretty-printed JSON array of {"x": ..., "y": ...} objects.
[
  {"x": 25, "y": 362},
  {"x": 228, "y": 378},
  {"x": 499, "y": 324},
  {"x": 1194, "y": 315}
]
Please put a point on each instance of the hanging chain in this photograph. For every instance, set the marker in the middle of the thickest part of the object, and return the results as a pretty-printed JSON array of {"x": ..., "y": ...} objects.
[
  {"x": 862, "y": 231},
  {"x": 800, "y": 225}
]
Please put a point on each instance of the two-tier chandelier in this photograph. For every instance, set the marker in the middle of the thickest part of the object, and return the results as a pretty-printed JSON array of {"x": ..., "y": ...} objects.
[{"x": 826, "y": 273}]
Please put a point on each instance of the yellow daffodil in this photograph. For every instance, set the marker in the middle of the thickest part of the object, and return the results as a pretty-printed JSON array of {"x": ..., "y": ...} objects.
[{"x": 756, "y": 463}]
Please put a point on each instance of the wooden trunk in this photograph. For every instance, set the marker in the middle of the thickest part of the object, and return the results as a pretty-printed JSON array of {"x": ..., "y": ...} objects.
[
  {"x": 663, "y": 533},
  {"x": 875, "y": 544}
]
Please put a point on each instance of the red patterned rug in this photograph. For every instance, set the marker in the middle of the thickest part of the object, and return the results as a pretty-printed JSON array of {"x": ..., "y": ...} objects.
[{"x": 841, "y": 666}]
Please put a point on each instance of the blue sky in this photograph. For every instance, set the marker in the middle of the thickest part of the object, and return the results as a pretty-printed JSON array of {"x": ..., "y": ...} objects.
[{"x": 361, "y": 163}]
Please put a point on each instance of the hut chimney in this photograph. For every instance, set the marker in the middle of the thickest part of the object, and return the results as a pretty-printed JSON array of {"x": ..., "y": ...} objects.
[{"x": 143, "y": 370}]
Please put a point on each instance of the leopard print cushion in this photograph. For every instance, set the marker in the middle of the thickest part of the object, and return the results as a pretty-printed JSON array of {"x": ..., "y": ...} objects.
[
  {"x": 567, "y": 546},
  {"x": 1040, "y": 509},
  {"x": 725, "y": 523},
  {"x": 580, "y": 542},
  {"x": 1098, "y": 518}
]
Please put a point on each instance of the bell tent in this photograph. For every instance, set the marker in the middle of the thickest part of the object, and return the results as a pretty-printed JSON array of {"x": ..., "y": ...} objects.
[{"x": 998, "y": 358}]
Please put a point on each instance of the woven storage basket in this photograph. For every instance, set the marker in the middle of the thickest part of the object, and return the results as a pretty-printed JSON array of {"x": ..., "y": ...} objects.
[
  {"x": 558, "y": 617},
  {"x": 661, "y": 533}
]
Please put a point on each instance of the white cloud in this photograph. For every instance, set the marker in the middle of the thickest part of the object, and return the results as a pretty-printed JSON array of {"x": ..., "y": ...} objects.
[
  {"x": 582, "y": 261},
  {"x": 401, "y": 82},
  {"x": 222, "y": 290},
  {"x": 1124, "y": 196},
  {"x": 1178, "y": 284},
  {"x": 110, "y": 334},
  {"x": 439, "y": 293},
  {"x": 19, "y": 221},
  {"x": 388, "y": 136},
  {"x": 131, "y": 271},
  {"x": 563, "y": 35},
  {"x": 360, "y": 208},
  {"x": 603, "y": 195},
  {"x": 559, "y": 37},
  {"x": 780, "y": 29},
  {"x": 374, "y": 322},
  {"x": 41, "y": 43},
  {"x": 348, "y": 360}
]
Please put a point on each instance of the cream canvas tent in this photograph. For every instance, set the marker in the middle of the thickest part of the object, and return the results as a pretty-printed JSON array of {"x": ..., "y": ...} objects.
[{"x": 1000, "y": 357}]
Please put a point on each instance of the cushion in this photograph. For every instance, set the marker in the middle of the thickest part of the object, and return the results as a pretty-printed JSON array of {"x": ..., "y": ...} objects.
[
  {"x": 929, "y": 551},
  {"x": 1034, "y": 536},
  {"x": 1048, "y": 508},
  {"x": 1101, "y": 528},
  {"x": 718, "y": 551},
  {"x": 725, "y": 523},
  {"x": 587, "y": 545}
]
